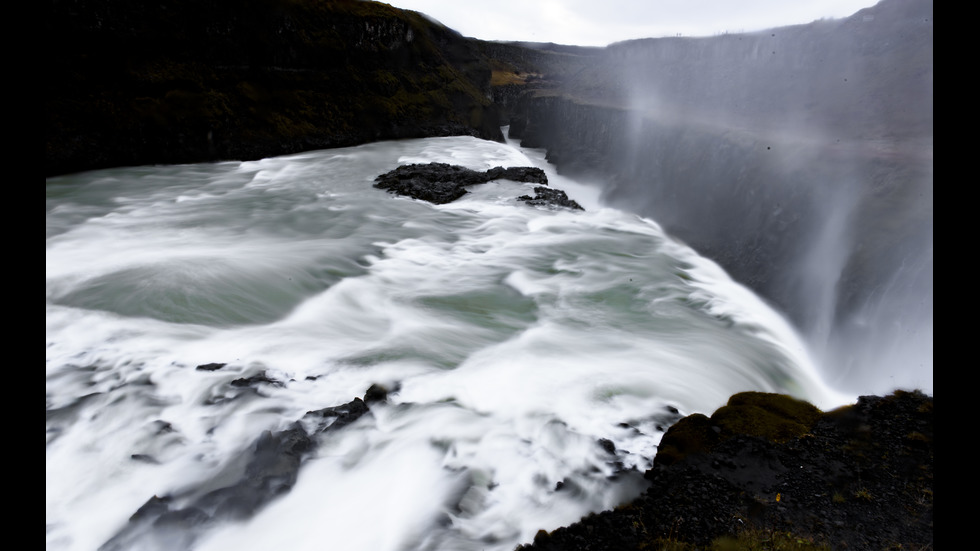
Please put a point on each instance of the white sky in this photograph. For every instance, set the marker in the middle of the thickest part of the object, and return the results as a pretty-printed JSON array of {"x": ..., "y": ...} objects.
[{"x": 601, "y": 22}]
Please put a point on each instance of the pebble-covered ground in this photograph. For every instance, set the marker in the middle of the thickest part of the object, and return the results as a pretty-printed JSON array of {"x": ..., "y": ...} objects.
[{"x": 779, "y": 474}]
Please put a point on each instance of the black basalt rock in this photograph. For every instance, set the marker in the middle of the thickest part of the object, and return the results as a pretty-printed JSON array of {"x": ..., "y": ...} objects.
[
  {"x": 547, "y": 197},
  {"x": 442, "y": 183},
  {"x": 438, "y": 183},
  {"x": 255, "y": 380},
  {"x": 333, "y": 418},
  {"x": 767, "y": 466},
  {"x": 518, "y": 174},
  {"x": 271, "y": 468}
]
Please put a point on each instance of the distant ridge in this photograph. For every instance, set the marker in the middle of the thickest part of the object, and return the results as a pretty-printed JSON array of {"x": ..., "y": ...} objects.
[{"x": 190, "y": 81}]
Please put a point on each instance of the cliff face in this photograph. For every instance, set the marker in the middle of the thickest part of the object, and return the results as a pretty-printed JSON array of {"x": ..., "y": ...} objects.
[
  {"x": 759, "y": 204},
  {"x": 800, "y": 159},
  {"x": 179, "y": 82}
]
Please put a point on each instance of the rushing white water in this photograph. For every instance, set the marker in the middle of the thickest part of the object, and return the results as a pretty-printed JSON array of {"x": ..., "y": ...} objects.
[{"x": 516, "y": 337}]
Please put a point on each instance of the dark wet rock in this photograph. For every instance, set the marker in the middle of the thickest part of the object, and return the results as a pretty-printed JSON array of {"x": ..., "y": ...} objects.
[
  {"x": 377, "y": 393},
  {"x": 270, "y": 469},
  {"x": 436, "y": 192},
  {"x": 190, "y": 516},
  {"x": 242, "y": 387},
  {"x": 518, "y": 174},
  {"x": 154, "y": 507},
  {"x": 547, "y": 197},
  {"x": 255, "y": 380},
  {"x": 442, "y": 183},
  {"x": 163, "y": 427},
  {"x": 766, "y": 465},
  {"x": 657, "y": 422},
  {"x": 144, "y": 458},
  {"x": 210, "y": 367},
  {"x": 333, "y": 418},
  {"x": 437, "y": 183}
]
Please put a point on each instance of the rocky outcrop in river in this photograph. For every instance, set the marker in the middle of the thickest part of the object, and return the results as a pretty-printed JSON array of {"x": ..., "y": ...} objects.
[{"x": 442, "y": 183}]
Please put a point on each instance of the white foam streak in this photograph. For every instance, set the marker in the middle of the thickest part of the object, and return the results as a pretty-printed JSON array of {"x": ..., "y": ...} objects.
[
  {"x": 514, "y": 339},
  {"x": 725, "y": 297},
  {"x": 380, "y": 503}
]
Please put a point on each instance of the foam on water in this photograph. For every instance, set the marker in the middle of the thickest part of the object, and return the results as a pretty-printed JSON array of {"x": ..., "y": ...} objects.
[{"x": 515, "y": 339}]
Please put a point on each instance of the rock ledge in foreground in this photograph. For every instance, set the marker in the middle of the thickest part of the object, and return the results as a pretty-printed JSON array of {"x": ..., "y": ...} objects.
[{"x": 769, "y": 467}]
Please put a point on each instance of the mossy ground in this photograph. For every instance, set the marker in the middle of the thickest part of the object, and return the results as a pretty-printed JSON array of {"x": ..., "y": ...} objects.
[
  {"x": 769, "y": 472},
  {"x": 748, "y": 540}
]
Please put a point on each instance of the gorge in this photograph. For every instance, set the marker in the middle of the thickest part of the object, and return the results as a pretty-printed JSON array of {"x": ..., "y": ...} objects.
[
  {"x": 227, "y": 277},
  {"x": 800, "y": 158}
]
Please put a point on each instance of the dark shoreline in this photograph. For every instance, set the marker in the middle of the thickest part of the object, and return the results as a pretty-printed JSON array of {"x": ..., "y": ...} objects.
[{"x": 767, "y": 471}]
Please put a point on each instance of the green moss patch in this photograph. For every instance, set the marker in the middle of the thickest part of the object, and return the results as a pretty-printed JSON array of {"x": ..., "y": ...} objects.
[{"x": 775, "y": 417}]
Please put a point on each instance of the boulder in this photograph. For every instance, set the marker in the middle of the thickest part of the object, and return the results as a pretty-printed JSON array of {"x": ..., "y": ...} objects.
[
  {"x": 442, "y": 183},
  {"x": 769, "y": 467}
]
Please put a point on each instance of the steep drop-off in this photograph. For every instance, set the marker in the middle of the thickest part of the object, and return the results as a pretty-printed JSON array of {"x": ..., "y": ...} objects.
[{"x": 800, "y": 159}]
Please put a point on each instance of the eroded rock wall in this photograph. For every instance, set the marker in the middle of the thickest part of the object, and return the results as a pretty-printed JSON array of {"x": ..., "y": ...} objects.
[
  {"x": 799, "y": 159},
  {"x": 180, "y": 82}
]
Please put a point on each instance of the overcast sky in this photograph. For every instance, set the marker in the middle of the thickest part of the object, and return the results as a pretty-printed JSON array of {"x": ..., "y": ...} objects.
[{"x": 601, "y": 22}]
